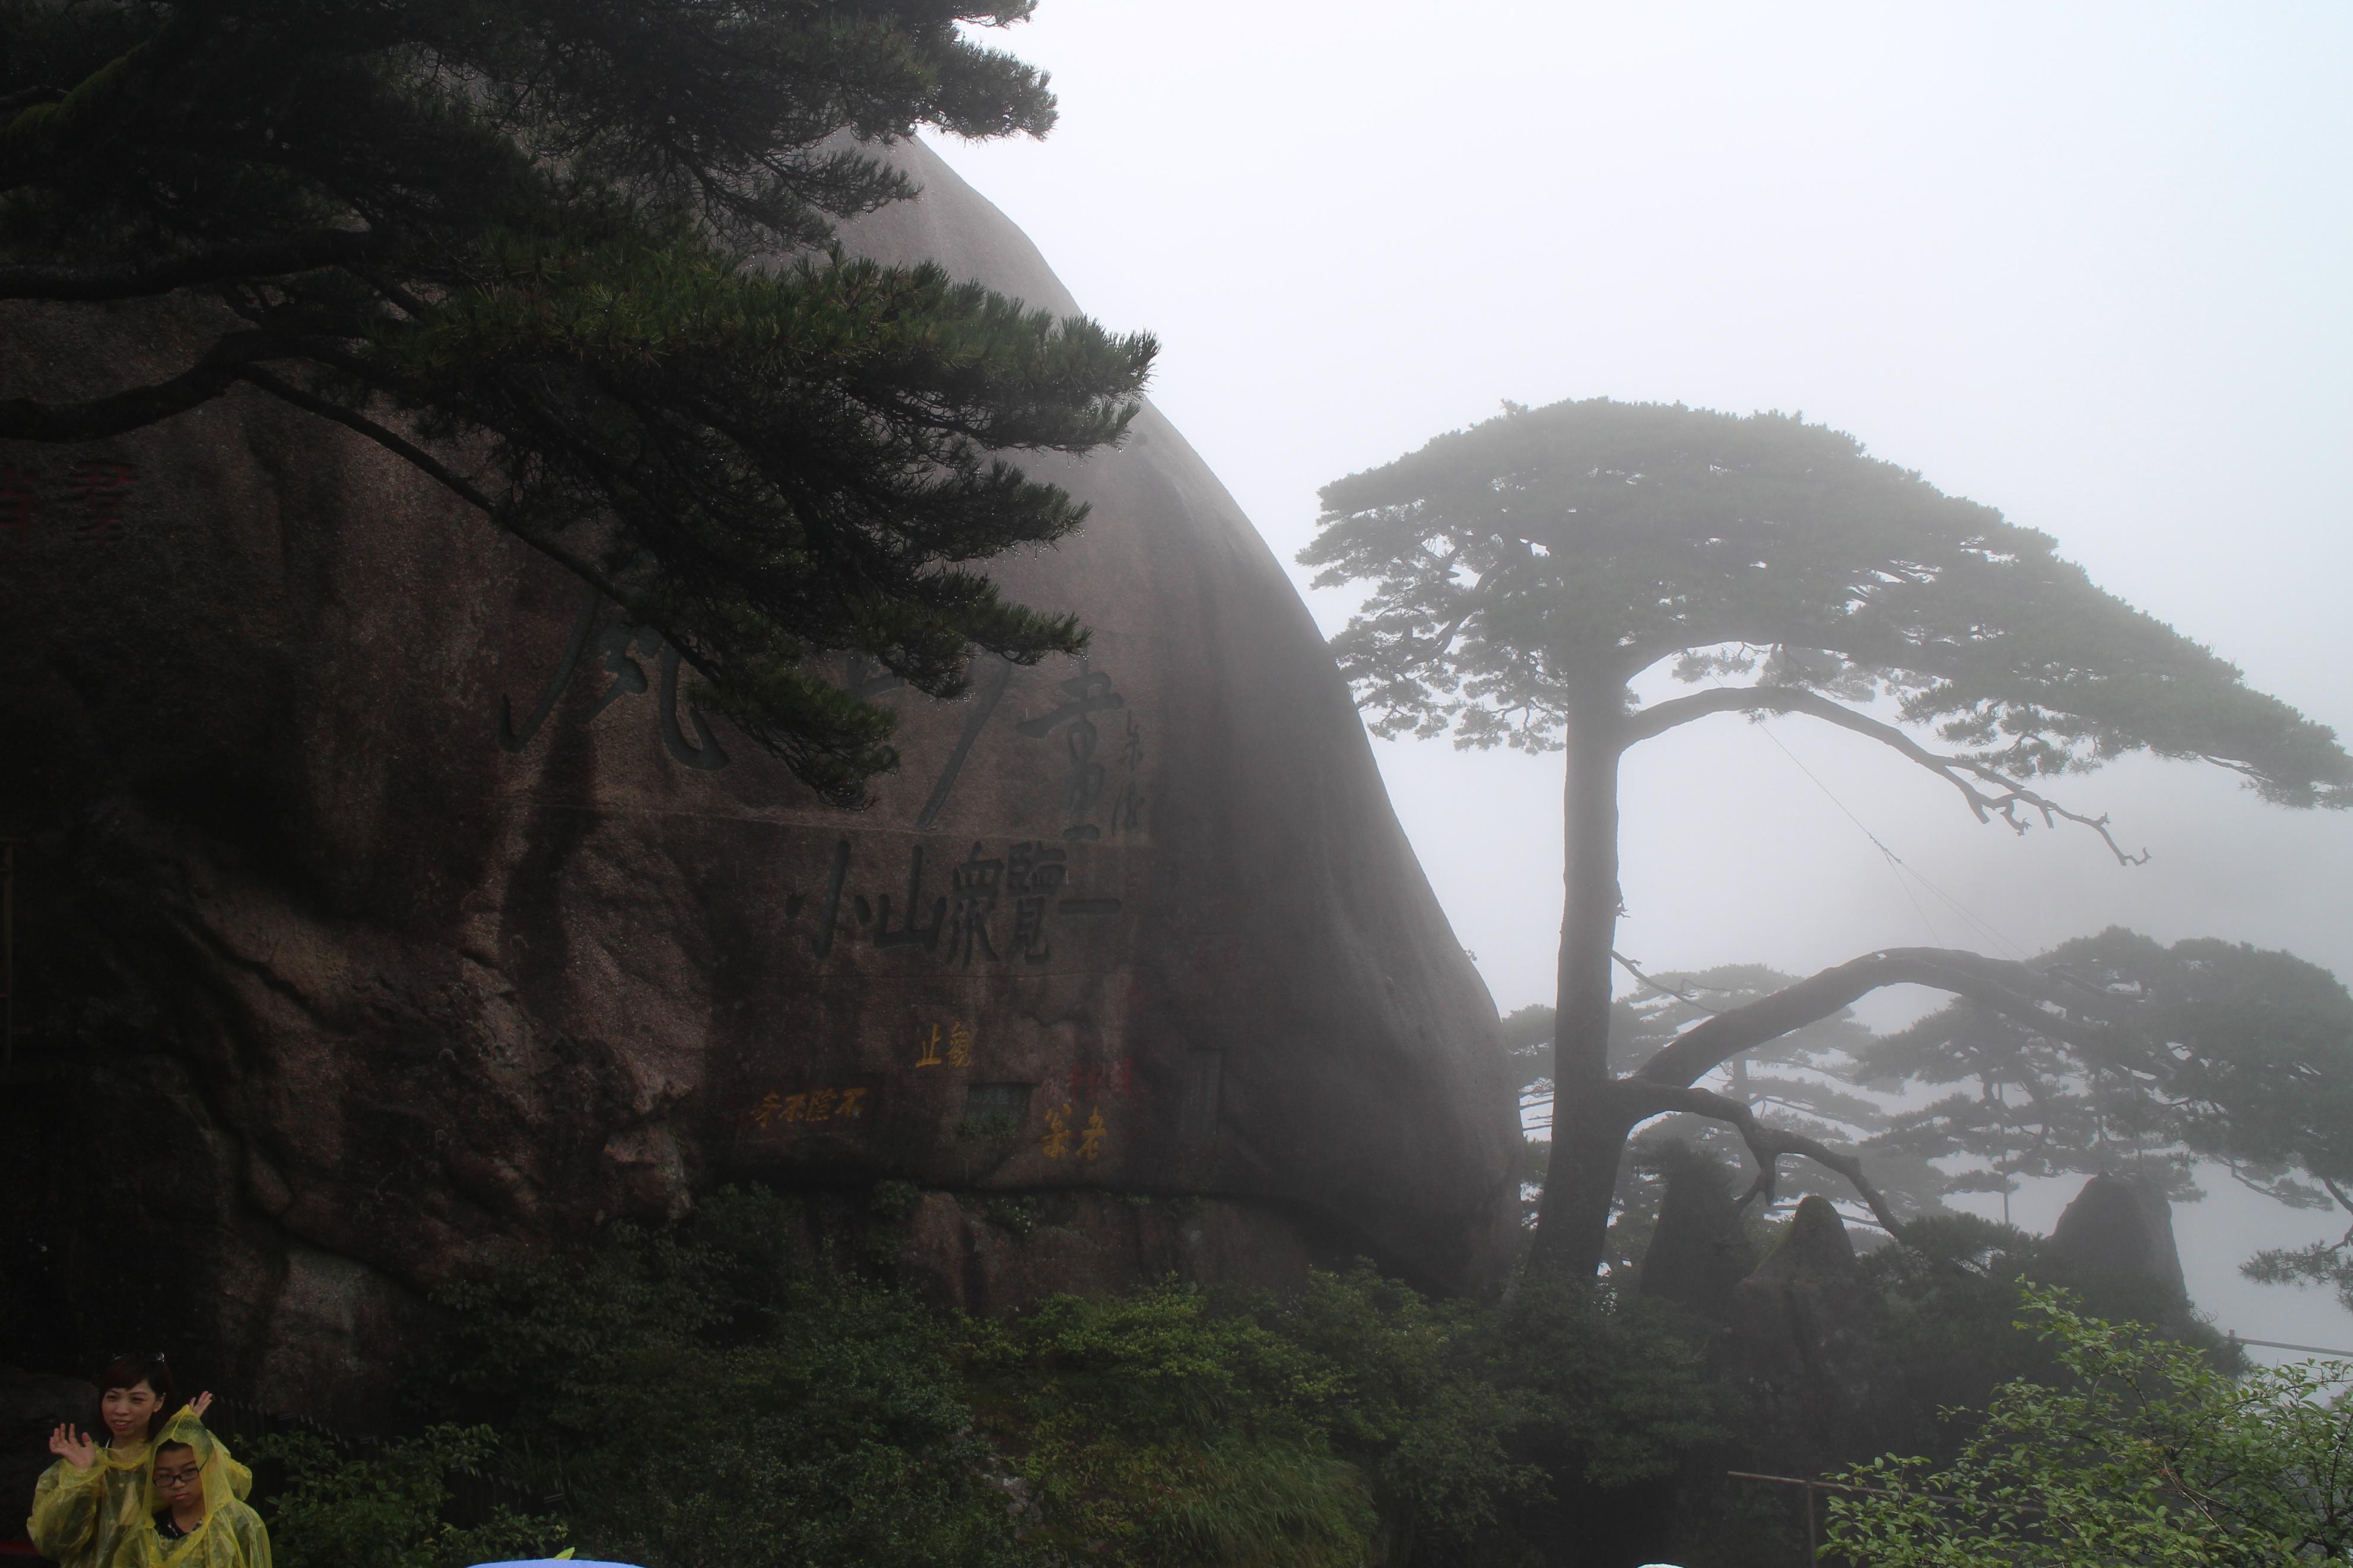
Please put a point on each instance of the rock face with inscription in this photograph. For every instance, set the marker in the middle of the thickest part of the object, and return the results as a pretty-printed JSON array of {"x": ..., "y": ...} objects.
[{"x": 382, "y": 905}]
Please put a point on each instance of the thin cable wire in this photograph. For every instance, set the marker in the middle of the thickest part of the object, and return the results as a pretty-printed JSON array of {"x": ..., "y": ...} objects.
[{"x": 1896, "y": 862}]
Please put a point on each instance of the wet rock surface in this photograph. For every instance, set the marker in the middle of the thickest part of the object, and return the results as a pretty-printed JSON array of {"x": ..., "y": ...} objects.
[
  {"x": 1796, "y": 1334},
  {"x": 2120, "y": 1231},
  {"x": 1700, "y": 1250},
  {"x": 31, "y": 1407},
  {"x": 383, "y": 905}
]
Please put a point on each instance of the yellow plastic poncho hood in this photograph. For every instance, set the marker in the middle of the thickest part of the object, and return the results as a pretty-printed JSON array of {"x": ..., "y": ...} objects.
[{"x": 232, "y": 1535}]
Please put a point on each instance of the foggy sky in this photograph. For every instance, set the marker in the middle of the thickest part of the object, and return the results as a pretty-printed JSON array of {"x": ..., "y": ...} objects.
[{"x": 2089, "y": 268}]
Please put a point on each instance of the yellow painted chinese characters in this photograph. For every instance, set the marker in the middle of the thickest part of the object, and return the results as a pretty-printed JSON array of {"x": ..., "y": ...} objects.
[
  {"x": 1055, "y": 1141},
  {"x": 812, "y": 1105}
]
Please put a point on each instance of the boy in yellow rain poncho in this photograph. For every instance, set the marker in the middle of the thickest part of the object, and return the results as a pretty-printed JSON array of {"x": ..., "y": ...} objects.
[
  {"x": 199, "y": 1517},
  {"x": 95, "y": 1497}
]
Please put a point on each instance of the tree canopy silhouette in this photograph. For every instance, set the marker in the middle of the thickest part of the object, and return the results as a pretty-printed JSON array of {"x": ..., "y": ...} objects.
[
  {"x": 2231, "y": 1054},
  {"x": 1524, "y": 571},
  {"x": 531, "y": 247}
]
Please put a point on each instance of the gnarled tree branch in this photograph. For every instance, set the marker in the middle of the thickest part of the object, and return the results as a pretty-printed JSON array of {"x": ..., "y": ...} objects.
[
  {"x": 1964, "y": 774},
  {"x": 223, "y": 365},
  {"x": 275, "y": 257},
  {"x": 1631, "y": 967},
  {"x": 432, "y": 468},
  {"x": 1765, "y": 1144},
  {"x": 2012, "y": 989}
]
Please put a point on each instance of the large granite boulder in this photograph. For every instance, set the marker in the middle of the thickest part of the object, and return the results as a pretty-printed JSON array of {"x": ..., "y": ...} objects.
[
  {"x": 2120, "y": 1233},
  {"x": 382, "y": 905},
  {"x": 1700, "y": 1250},
  {"x": 1797, "y": 1338}
]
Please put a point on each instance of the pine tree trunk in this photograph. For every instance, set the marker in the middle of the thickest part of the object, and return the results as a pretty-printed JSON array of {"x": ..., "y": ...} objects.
[{"x": 1588, "y": 1132}]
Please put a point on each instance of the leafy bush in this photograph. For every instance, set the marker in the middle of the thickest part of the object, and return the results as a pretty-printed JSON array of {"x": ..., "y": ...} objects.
[
  {"x": 2145, "y": 1453},
  {"x": 1155, "y": 1430},
  {"x": 1948, "y": 1331},
  {"x": 710, "y": 1402},
  {"x": 386, "y": 1508},
  {"x": 707, "y": 1401}
]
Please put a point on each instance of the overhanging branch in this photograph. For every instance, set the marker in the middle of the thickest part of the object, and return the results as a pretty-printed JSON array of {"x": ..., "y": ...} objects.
[
  {"x": 1765, "y": 1144},
  {"x": 248, "y": 258},
  {"x": 23, "y": 419},
  {"x": 432, "y": 468},
  {"x": 1964, "y": 774},
  {"x": 1631, "y": 967},
  {"x": 2012, "y": 989}
]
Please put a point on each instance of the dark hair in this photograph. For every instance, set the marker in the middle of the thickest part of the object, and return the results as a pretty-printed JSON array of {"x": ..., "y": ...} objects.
[{"x": 134, "y": 1367}]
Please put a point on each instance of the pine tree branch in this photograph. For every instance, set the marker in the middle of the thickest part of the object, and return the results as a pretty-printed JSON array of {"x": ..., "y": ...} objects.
[
  {"x": 246, "y": 259},
  {"x": 1765, "y": 1144},
  {"x": 1631, "y": 967},
  {"x": 2009, "y": 988},
  {"x": 433, "y": 469},
  {"x": 36, "y": 137},
  {"x": 23, "y": 419},
  {"x": 1964, "y": 774}
]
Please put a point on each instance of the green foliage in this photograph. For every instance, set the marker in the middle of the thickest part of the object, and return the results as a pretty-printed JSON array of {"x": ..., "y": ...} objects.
[
  {"x": 702, "y": 1398},
  {"x": 386, "y": 1508},
  {"x": 542, "y": 233},
  {"x": 1154, "y": 1430},
  {"x": 1457, "y": 1427},
  {"x": 1015, "y": 1215},
  {"x": 1946, "y": 1330},
  {"x": 1521, "y": 575},
  {"x": 1618, "y": 1394},
  {"x": 1589, "y": 540},
  {"x": 895, "y": 1201},
  {"x": 1806, "y": 1080},
  {"x": 2143, "y": 1455},
  {"x": 705, "y": 1399},
  {"x": 2231, "y": 1053}
]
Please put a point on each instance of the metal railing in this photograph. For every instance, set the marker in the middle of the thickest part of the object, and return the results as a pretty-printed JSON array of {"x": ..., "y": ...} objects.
[{"x": 1814, "y": 1484}]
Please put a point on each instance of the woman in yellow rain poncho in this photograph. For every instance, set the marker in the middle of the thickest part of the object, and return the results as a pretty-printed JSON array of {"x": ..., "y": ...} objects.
[
  {"x": 95, "y": 1498},
  {"x": 199, "y": 1517}
]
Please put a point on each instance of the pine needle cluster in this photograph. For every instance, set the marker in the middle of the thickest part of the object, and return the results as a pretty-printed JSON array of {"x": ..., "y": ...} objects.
[{"x": 573, "y": 259}]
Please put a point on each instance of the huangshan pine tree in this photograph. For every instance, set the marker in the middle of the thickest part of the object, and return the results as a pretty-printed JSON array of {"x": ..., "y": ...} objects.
[
  {"x": 1526, "y": 572},
  {"x": 1806, "y": 1082},
  {"x": 531, "y": 247},
  {"x": 2231, "y": 1054}
]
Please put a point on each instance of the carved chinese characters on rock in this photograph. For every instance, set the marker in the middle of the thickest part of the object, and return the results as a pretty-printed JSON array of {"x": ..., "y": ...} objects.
[
  {"x": 1084, "y": 695},
  {"x": 1095, "y": 779},
  {"x": 619, "y": 651},
  {"x": 81, "y": 500},
  {"x": 833, "y": 1104},
  {"x": 990, "y": 910}
]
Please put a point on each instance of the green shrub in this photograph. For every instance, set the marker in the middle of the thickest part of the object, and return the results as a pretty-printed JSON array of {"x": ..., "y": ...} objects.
[
  {"x": 1156, "y": 1430},
  {"x": 709, "y": 1401},
  {"x": 387, "y": 1506},
  {"x": 2142, "y": 1453}
]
